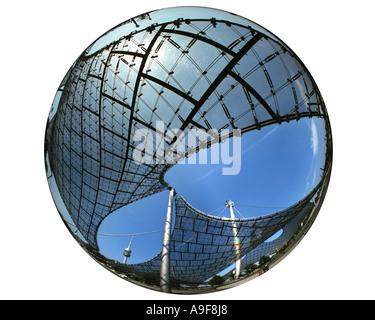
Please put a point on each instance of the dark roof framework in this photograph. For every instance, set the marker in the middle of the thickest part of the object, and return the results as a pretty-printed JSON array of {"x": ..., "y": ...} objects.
[{"x": 246, "y": 79}]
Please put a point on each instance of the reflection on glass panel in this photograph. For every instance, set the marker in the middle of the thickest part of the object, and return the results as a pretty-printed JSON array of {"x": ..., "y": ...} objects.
[{"x": 188, "y": 150}]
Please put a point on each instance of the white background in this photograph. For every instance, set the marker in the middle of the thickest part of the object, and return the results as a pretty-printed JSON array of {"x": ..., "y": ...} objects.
[{"x": 40, "y": 40}]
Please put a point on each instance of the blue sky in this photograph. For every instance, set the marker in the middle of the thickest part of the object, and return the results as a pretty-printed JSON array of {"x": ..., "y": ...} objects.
[{"x": 279, "y": 165}]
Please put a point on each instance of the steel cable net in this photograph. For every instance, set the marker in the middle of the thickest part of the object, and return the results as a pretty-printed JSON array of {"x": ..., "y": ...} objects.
[
  {"x": 151, "y": 68},
  {"x": 246, "y": 79},
  {"x": 203, "y": 245}
]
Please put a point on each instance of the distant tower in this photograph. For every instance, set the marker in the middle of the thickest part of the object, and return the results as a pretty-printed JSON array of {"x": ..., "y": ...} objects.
[{"x": 127, "y": 251}]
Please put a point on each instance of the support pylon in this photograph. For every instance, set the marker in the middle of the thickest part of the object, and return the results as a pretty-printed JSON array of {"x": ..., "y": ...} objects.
[
  {"x": 237, "y": 273},
  {"x": 165, "y": 254}
]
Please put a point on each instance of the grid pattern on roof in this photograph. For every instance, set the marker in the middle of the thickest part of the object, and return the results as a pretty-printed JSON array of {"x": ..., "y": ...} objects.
[
  {"x": 243, "y": 80},
  {"x": 203, "y": 245}
]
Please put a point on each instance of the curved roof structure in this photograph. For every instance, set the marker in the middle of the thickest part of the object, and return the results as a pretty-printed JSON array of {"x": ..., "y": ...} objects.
[
  {"x": 151, "y": 68},
  {"x": 203, "y": 245},
  {"x": 133, "y": 82}
]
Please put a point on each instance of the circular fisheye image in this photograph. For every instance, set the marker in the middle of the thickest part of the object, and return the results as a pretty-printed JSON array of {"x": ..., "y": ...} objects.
[{"x": 188, "y": 150}]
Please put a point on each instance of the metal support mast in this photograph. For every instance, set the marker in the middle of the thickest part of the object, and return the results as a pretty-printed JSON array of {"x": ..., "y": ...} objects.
[
  {"x": 230, "y": 204},
  {"x": 165, "y": 254}
]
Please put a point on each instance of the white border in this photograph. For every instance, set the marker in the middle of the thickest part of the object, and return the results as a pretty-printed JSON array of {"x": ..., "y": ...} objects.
[{"x": 40, "y": 41}]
